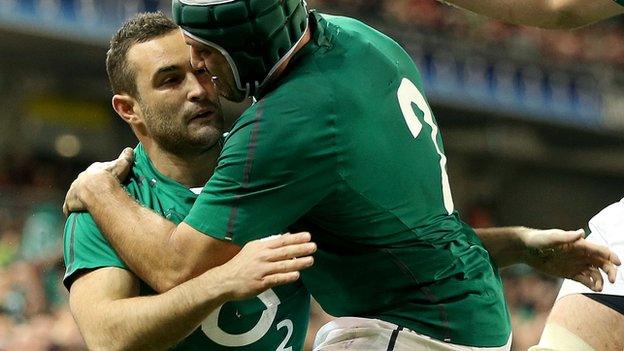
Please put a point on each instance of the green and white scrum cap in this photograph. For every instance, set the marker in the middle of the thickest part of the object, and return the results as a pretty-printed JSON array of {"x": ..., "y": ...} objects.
[{"x": 255, "y": 36}]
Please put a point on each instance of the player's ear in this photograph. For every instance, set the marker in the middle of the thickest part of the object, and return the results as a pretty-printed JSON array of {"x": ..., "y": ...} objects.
[{"x": 126, "y": 107}]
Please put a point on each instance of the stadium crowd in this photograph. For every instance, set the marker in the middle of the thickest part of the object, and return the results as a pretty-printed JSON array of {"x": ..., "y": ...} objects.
[
  {"x": 33, "y": 307},
  {"x": 595, "y": 44},
  {"x": 600, "y": 43}
]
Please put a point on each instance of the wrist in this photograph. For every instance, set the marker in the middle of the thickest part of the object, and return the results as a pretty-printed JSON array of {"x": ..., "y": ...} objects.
[
  {"x": 218, "y": 289},
  {"x": 526, "y": 253},
  {"x": 508, "y": 244}
]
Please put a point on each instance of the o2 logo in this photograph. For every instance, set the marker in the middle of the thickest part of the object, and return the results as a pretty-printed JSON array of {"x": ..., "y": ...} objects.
[{"x": 211, "y": 328}]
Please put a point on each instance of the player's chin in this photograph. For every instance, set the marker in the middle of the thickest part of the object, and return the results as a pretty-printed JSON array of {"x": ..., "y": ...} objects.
[{"x": 206, "y": 136}]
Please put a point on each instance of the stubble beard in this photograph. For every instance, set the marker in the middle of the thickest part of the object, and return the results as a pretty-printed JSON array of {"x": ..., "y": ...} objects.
[
  {"x": 174, "y": 137},
  {"x": 230, "y": 92}
]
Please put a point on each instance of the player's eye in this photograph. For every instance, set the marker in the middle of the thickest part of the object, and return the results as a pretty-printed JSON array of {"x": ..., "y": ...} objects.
[
  {"x": 171, "y": 80},
  {"x": 202, "y": 71}
]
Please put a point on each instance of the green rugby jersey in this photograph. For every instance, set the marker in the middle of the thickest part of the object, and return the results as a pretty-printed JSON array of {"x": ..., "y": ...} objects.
[
  {"x": 245, "y": 325},
  {"x": 621, "y": 2},
  {"x": 347, "y": 147}
]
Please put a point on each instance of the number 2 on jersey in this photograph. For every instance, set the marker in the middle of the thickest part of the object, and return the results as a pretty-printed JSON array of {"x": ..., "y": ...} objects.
[
  {"x": 409, "y": 94},
  {"x": 288, "y": 324}
]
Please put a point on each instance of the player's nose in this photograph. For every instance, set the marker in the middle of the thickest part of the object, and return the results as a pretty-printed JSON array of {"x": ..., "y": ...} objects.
[
  {"x": 200, "y": 88},
  {"x": 197, "y": 62}
]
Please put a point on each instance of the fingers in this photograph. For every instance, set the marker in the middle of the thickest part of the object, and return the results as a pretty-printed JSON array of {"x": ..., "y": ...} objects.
[
  {"x": 122, "y": 165},
  {"x": 610, "y": 270},
  {"x": 290, "y": 265},
  {"x": 71, "y": 202},
  {"x": 608, "y": 261},
  {"x": 609, "y": 266},
  {"x": 292, "y": 251},
  {"x": 70, "y": 206},
  {"x": 596, "y": 278},
  {"x": 127, "y": 154},
  {"x": 277, "y": 279},
  {"x": 555, "y": 237},
  {"x": 591, "y": 278},
  {"x": 599, "y": 254},
  {"x": 603, "y": 257},
  {"x": 287, "y": 239},
  {"x": 615, "y": 259},
  {"x": 292, "y": 257},
  {"x": 584, "y": 279}
]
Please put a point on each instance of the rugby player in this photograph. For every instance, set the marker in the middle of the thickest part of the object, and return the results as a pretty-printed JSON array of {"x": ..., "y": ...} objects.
[
  {"x": 174, "y": 111},
  {"x": 342, "y": 142},
  {"x": 545, "y": 13},
  {"x": 585, "y": 320}
]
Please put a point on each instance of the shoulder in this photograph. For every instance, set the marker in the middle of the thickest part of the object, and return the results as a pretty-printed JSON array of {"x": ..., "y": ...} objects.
[
  {"x": 281, "y": 132},
  {"x": 83, "y": 238},
  {"x": 79, "y": 222},
  {"x": 299, "y": 104},
  {"x": 342, "y": 21},
  {"x": 359, "y": 33},
  {"x": 85, "y": 247}
]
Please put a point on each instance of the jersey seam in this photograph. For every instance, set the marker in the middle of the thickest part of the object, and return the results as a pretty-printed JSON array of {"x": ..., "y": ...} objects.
[
  {"x": 251, "y": 148},
  {"x": 72, "y": 239},
  {"x": 443, "y": 314}
]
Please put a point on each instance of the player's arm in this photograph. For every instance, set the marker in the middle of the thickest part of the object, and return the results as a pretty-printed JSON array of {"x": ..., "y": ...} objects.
[
  {"x": 544, "y": 13},
  {"x": 158, "y": 251},
  {"x": 556, "y": 252},
  {"x": 128, "y": 226},
  {"x": 111, "y": 315},
  {"x": 511, "y": 245}
]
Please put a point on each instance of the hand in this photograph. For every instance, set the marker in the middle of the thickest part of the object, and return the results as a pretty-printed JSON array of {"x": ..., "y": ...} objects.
[
  {"x": 263, "y": 264},
  {"x": 98, "y": 174},
  {"x": 567, "y": 254}
]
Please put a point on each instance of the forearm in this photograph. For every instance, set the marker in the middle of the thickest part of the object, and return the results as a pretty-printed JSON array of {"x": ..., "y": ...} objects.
[
  {"x": 505, "y": 244},
  {"x": 143, "y": 238},
  {"x": 543, "y": 13},
  {"x": 155, "y": 322}
]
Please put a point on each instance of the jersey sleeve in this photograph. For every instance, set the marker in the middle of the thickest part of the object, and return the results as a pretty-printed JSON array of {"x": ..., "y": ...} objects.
[
  {"x": 276, "y": 164},
  {"x": 621, "y": 2},
  {"x": 85, "y": 248}
]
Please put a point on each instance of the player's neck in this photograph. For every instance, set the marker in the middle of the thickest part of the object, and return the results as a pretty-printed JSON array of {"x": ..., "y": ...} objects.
[
  {"x": 192, "y": 169},
  {"x": 280, "y": 70}
]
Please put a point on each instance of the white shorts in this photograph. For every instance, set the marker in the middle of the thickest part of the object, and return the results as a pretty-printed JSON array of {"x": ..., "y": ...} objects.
[
  {"x": 363, "y": 334},
  {"x": 607, "y": 228}
]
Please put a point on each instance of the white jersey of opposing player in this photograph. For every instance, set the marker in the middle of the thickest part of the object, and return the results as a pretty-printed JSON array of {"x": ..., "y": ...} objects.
[{"x": 607, "y": 228}]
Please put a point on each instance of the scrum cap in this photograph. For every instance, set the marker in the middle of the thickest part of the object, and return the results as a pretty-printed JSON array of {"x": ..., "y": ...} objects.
[{"x": 255, "y": 36}]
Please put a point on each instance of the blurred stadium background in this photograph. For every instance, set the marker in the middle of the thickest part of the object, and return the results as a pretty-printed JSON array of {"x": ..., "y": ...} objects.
[{"x": 533, "y": 122}]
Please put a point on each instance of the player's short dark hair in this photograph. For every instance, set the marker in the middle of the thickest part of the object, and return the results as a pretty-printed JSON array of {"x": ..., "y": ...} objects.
[{"x": 139, "y": 29}]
